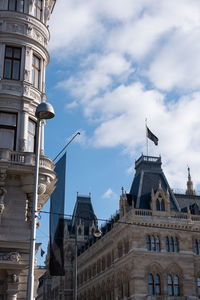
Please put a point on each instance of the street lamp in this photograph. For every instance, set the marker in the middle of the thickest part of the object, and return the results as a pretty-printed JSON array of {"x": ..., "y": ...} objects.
[
  {"x": 44, "y": 111},
  {"x": 97, "y": 233}
]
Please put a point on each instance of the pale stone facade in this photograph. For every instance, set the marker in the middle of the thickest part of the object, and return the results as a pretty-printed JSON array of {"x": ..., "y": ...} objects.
[
  {"x": 23, "y": 59},
  {"x": 148, "y": 251}
]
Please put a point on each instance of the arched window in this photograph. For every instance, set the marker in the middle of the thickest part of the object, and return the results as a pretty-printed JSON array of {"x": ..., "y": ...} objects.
[
  {"x": 167, "y": 244},
  {"x": 176, "y": 286},
  {"x": 171, "y": 244},
  {"x": 173, "y": 285},
  {"x": 153, "y": 244},
  {"x": 170, "y": 285},
  {"x": 158, "y": 284},
  {"x": 176, "y": 246},
  {"x": 162, "y": 205},
  {"x": 148, "y": 243},
  {"x": 196, "y": 248},
  {"x": 79, "y": 231},
  {"x": 198, "y": 286},
  {"x": 151, "y": 284},
  {"x": 157, "y": 204},
  {"x": 157, "y": 244}
]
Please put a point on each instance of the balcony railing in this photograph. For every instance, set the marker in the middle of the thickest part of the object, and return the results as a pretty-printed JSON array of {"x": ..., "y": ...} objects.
[{"x": 24, "y": 158}]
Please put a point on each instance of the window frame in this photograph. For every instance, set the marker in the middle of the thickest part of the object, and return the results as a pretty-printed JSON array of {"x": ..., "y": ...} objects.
[
  {"x": 30, "y": 134},
  {"x": 16, "y": 5},
  {"x": 173, "y": 284},
  {"x": 11, "y": 127},
  {"x": 37, "y": 8},
  {"x": 12, "y": 59},
  {"x": 34, "y": 70}
]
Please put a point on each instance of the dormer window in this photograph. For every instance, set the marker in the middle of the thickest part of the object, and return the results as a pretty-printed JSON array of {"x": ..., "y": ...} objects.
[
  {"x": 16, "y": 5},
  {"x": 38, "y": 9}
]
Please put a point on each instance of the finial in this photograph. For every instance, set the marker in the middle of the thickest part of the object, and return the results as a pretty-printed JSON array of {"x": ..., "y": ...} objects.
[
  {"x": 189, "y": 176},
  {"x": 122, "y": 190}
]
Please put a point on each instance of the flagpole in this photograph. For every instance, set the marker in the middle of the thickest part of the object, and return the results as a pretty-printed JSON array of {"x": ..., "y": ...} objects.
[{"x": 147, "y": 145}]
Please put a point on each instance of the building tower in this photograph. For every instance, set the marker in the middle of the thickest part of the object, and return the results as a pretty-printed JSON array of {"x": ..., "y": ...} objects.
[{"x": 24, "y": 36}]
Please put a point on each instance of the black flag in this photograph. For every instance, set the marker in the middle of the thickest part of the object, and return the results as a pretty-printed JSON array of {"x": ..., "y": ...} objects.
[
  {"x": 151, "y": 136},
  {"x": 56, "y": 261}
]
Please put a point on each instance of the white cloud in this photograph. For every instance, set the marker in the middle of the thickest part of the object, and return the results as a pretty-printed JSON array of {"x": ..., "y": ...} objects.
[
  {"x": 137, "y": 59},
  {"x": 109, "y": 194}
]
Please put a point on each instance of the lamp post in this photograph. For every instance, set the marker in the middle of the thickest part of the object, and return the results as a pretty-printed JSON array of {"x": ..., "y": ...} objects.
[
  {"x": 44, "y": 111},
  {"x": 97, "y": 233}
]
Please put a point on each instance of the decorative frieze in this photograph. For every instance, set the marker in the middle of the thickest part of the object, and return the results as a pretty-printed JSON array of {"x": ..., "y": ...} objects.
[{"x": 10, "y": 257}]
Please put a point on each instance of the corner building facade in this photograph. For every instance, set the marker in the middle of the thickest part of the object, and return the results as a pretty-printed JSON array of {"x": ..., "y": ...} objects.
[
  {"x": 149, "y": 250},
  {"x": 24, "y": 36}
]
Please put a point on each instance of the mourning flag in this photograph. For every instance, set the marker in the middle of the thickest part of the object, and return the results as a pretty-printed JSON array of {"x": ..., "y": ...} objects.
[
  {"x": 151, "y": 136},
  {"x": 56, "y": 261}
]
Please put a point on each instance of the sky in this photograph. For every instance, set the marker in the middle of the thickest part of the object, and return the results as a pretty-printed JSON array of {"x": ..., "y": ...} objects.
[{"x": 114, "y": 64}]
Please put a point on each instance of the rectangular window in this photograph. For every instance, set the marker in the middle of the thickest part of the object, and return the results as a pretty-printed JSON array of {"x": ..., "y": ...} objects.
[
  {"x": 38, "y": 9},
  {"x": 35, "y": 71},
  {"x": 16, "y": 5},
  {"x": 8, "y": 129},
  {"x": 31, "y": 136},
  {"x": 12, "y": 63}
]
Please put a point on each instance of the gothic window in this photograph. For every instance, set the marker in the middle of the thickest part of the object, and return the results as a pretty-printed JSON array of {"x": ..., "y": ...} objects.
[
  {"x": 153, "y": 243},
  {"x": 148, "y": 243},
  {"x": 103, "y": 263},
  {"x": 198, "y": 286},
  {"x": 196, "y": 247},
  {"x": 16, "y": 5},
  {"x": 162, "y": 205},
  {"x": 157, "y": 244},
  {"x": 171, "y": 244},
  {"x": 126, "y": 246},
  {"x": 176, "y": 246},
  {"x": 31, "y": 136},
  {"x": 173, "y": 285},
  {"x": 157, "y": 284},
  {"x": 12, "y": 63},
  {"x": 157, "y": 204},
  {"x": 8, "y": 130},
  {"x": 79, "y": 231},
  {"x": 153, "y": 246},
  {"x": 35, "y": 71},
  {"x": 108, "y": 260},
  {"x": 167, "y": 244},
  {"x": 154, "y": 284},
  {"x": 38, "y": 9}
]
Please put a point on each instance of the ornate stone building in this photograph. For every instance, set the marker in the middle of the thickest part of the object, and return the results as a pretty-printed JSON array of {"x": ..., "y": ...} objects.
[
  {"x": 148, "y": 251},
  {"x": 24, "y": 36}
]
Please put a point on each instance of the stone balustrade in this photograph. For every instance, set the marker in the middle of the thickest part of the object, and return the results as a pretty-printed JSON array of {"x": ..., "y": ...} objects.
[{"x": 24, "y": 158}]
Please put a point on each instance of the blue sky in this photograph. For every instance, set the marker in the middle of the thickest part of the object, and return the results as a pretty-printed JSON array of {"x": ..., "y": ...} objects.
[{"x": 113, "y": 64}]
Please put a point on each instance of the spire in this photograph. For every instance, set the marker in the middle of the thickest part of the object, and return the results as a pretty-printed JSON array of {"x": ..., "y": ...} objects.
[{"x": 190, "y": 189}]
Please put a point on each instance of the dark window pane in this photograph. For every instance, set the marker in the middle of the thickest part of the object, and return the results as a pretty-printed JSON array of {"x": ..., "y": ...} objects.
[
  {"x": 167, "y": 244},
  {"x": 162, "y": 205},
  {"x": 148, "y": 243},
  {"x": 8, "y": 52},
  {"x": 7, "y": 137},
  {"x": 11, "y": 5},
  {"x": 157, "y": 244},
  {"x": 170, "y": 285},
  {"x": 151, "y": 284},
  {"x": 17, "y": 53},
  {"x": 157, "y": 204},
  {"x": 196, "y": 247},
  {"x": 20, "y": 5},
  {"x": 176, "y": 286},
  {"x": 16, "y": 68},
  {"x": 8, "y": 119},
  {"x": 176, "y": 245},
  {"x": 7, "y": 69},
  {"x": 171, "y": 244}
]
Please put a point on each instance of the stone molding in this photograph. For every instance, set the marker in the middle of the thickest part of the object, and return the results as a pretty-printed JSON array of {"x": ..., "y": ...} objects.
[{"x": 10, "y": 257}]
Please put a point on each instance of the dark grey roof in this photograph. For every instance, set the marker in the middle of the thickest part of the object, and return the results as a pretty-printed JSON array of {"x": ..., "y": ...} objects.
[
  {"x": 147, "y": 177},
  {"x": 83, "y": 211},
  {"x": 186, "y": 201}
]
